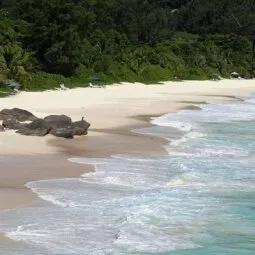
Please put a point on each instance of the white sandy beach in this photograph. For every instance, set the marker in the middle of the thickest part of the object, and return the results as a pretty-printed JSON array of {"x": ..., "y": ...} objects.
[
  {"x": 112, "y": 112},
  {"x": 112, "y": 107}
]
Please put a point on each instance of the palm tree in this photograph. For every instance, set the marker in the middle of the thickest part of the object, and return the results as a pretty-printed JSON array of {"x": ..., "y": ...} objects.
[{"x": 14, "y": 62}]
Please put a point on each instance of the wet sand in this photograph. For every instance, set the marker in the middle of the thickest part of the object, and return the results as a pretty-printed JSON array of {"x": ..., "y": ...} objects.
[
  {"x": 113, "y": 113},
  {"x": 26, "y": 159},
  {"x": 16, "y": 170}
]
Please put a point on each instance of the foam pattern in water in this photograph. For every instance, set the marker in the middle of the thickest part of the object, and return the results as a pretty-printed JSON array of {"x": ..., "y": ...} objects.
[{"x": 197, "y": 200}]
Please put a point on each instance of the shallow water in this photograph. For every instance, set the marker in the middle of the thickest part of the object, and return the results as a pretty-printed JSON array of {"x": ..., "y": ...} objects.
[{"x": 198, "y": 200}]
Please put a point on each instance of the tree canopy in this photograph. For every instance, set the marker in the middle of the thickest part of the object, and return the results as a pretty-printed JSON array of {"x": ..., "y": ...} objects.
[{"x": 144, "y": 40}]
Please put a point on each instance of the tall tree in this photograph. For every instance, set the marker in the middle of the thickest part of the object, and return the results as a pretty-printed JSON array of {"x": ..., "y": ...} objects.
[{"x": 54, "y": 35}]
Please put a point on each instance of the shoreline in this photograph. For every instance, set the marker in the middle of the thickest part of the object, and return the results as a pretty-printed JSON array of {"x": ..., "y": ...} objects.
[
  {"x": 102, "y": 141},
  {"x": 28, "y": 168}
]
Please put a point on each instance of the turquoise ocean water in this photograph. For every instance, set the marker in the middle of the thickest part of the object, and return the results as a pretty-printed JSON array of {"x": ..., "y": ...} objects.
[{"x": 198, "y": 200}]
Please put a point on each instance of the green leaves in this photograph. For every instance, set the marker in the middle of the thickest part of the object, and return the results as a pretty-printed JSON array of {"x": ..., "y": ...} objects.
[
  {"x": 11, "y": 30},
  {"x": 128, "y": 39},
  {"x": 14, "y": 62}
]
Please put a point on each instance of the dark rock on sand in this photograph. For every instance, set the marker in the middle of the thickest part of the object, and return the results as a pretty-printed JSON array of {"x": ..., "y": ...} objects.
[
  {"x": 1, "y": 128},
  {"x": 79, "y": 131},
  {"x": 11, "y": 123},
  {"x": 38, "y": 127},
  {"x": 62, "y": 132},
  {"x": 58, "y": 121},
  {"x": 80, "y": 127},
  {"x": 57, "y": 125},
  {"x": 18, "y": 114},
  {"x": 64, "y": 127}
]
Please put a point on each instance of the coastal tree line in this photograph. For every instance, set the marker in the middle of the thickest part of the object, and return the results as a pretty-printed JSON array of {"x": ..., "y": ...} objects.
[{"x": 44, "y": 42}]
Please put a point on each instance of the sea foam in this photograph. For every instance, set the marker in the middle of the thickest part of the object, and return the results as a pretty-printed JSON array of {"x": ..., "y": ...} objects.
[{"x": 190, "y": 200}]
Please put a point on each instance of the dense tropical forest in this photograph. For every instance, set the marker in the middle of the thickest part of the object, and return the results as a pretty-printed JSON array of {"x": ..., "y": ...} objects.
[{"x": 46, "y": 42}]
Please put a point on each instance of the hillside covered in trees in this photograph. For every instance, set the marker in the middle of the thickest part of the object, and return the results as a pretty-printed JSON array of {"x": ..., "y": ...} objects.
[{"x": 45, "y": 42}]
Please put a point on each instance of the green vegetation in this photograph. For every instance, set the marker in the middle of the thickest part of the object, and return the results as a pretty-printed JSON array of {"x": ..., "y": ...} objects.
[{"x": 47, "y": 42}]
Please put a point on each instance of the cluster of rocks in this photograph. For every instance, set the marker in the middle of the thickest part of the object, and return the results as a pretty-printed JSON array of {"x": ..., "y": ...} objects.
[{"x": 25, "y": 123}]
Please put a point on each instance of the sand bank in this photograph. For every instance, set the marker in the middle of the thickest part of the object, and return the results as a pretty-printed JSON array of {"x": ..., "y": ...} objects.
[
  {"x": 112, "y": 111},
  {"x": 113, "y": 107}
]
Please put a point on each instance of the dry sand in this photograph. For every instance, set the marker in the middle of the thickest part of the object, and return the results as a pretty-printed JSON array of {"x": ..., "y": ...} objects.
[{"x": 112, "y": 111}]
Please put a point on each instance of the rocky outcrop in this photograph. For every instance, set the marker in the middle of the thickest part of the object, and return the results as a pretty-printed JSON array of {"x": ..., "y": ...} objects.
[
  {"x": 58, "y": 120},
  {"x": 17, "y": 114},
  {"x": 11, "y": 123},
  {"x": 37, "y": 127},
  {"x": 65, "y": 132},
  {"x": 57, "y": 125},
  {"x": 62, "y": 126},
  {"x": 80, "y": 127}
]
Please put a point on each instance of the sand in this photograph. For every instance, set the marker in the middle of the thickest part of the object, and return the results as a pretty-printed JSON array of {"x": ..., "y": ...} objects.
[{"x": 112, "y": 111}]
